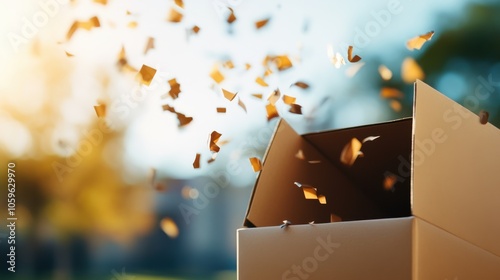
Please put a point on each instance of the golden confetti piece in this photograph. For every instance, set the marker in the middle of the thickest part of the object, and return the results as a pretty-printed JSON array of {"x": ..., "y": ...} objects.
[
  {"x": 175, "y": 88},
  {"x": 228, "y": 64},
  {"x": 179, "y": 3},
  {"x": 411, "y": 71},
  {"x": 396, "y": 105},
  {"x": 295, "y": 109},
  {"x": 261, "y": 82},
  {"x": 103, "y": 2},
  {"x": 301, "y": 85},
  {"x": 309, "y": 192},
  {"x": 191, "y": 193},
  {"x": 194, "y": 193},
  {"x": 289, "y": 99},
  {"x": 242, "y": 105},
  {"x": 282, "y": 62},
  {"x": 338, "y": 60},
  {"x": 384, "y": 72},
  {"x": 354, "y": 69},
  {"x": 334, "y": 218},
  {"x": 268, "y": 72},
  {"x": 100, "y": 110},
  {"x": 212, "y": 159},
  {"x": 87, "y": 25},
  {"x": 335, "y": 57},
  {"x": 160, "y": 187},
  {"x": 419, "y": 41},
  {"x": 169, "y": 227},
  {"x": 188, "y": 192},
  {"x": 271, "y": 112},
  {"x": 174, "y": 15},
  {"x": 195, "y": 29},
  {"x": 483, "y": 117},
  {"x": 285, "y": 223},
  {"x": 149, "y": 45},
  {"x": 69, "y": 54},
  {"x": 122, "y": 57},
  {"x": 222, "y": 142},
  {"x": 229, "y": 95},
  {"x": 216, "y": 75},
  {"x": 274, "y": 96},
  {"x": 183, "y": 120},
  {"x": 91, "y": 23},
  {"x": 231, "y": 18},
  {"x": 132, "y": 24},
  {"x": 389, "y": 182},
  {"x": 267, "y": 60},
  {"x": 196, "y": 162},
  {"x": 387, "y": 92},
  {"x": 261, "y": 23},
  {"x": 185, "y": 192},
  {"x": 248, "y": 66},
  {"x": 146, "y": 74},
  {"x": 123, "y": 63},
  {"x": 212, "y": 141},
  {"x": 300, "y": 155},
  {"x": 169, "y": 108},
  {"x": 221, "y": 110},
  {"x": 257, "y": 95},
  {"x": 352, "y": 59},
  {"x": 256, "y": 164},
  {"x": 370, "y": 138},
  {"x": 350, "y": 152},
  {"x": 322, "y": 199}
]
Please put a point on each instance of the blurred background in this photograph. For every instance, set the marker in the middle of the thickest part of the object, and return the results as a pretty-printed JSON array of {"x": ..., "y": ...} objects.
[{"x": 105, "y": 184}]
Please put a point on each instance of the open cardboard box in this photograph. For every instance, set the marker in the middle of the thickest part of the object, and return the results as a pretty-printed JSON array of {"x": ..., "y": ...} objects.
[{"x": 440, "y": 220}]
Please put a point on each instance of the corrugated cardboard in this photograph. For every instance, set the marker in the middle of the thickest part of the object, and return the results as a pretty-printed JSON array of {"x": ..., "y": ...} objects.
[{"x": 440, "y": 221}]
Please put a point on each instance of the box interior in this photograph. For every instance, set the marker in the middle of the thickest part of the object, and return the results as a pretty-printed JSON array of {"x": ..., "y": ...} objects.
[
  {"x": 354, "y": 192},
  {"x": 386, "y": 156}
]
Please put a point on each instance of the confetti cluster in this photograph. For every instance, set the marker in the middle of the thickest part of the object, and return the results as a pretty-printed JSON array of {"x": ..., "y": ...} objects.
[{"x": 272, "y": 64}]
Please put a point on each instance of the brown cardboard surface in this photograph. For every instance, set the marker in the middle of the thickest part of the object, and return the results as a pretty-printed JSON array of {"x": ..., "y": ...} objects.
[
  {"x": 456, "y": 180},
  {"x": 441, "y": 255},
  {"x": 276, "y": 198},
  {"x": 374, "y": 249}
]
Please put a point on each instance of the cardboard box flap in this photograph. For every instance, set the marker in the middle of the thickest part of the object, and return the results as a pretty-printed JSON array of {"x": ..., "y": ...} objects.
[
  {"x": 455, "y": 176},
  {"x": 375, "y": 249},
  {"x": 441, "y": 255},
  {"x": 277, "y": 198},
  {"x": 377, "y": 172}
]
